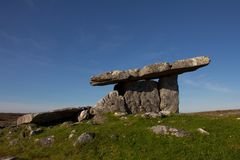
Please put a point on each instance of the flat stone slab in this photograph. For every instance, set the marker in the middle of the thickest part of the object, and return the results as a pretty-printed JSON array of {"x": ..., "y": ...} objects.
[
  {"x": 47, "y": 118},
  {"x": 150, "y": 71}
]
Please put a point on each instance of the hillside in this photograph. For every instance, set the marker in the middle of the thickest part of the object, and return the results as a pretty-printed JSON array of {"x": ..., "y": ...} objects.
[{"x": 128, "y": 137}]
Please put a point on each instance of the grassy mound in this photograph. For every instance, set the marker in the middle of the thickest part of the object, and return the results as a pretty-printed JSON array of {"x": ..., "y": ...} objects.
[{"x": 129, "y": 139}]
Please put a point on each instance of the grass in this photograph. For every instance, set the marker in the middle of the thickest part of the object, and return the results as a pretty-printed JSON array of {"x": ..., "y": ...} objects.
[{"x": 131, "y": 139}]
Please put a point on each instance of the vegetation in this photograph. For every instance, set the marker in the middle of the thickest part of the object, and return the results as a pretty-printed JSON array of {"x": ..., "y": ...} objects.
[{"x": 131, "y": 138}]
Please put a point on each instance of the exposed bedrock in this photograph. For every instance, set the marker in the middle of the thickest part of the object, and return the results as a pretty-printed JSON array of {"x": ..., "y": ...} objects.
[
  {"x": 150, "y": 71},
  {"x": 169, "y": 94}
]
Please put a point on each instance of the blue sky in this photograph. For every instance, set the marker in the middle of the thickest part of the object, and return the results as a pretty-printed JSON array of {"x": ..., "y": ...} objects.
[{"x": 50, "y": 48}]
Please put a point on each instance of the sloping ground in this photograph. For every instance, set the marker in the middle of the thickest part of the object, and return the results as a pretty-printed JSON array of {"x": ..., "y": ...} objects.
[
  {"x": 7, "y": 119},
  {"x": 130, "y": 138}
]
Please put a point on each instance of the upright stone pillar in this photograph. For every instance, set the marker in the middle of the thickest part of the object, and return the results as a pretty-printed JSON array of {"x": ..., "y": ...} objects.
[
  {"x": 140, "y": 96},
  {"x": 169, "y": 94}
]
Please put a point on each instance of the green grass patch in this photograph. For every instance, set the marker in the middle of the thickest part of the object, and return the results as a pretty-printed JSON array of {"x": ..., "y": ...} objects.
[{"x": 131, "y": 139}]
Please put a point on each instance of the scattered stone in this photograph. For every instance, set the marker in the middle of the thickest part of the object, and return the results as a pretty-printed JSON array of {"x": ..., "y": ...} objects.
[
  {"x": 35, "y": 132},
  {"x": 238, "y": 118},
  {"x": 8, "y": 158},
  {"x": 150, "y": 71},
  {"x": 84, "y": 138},
  {"x": 66, "y": 124},
  {"x": 13, "y": 142},
  {"x": 202, "y": 131},
  {"x": 166, "y": 130},
  {"x": 52, "y": 117},
  {"x": 70, "y": 136},
  {"x": 120, "y": 114},
  {"x": 99, "y": 119},
  {"x": 47, "y": 141},
  {"x": 151, "y": 115},
  {"x": 84, "y": 115},
  {"x": 123, "y": 118},
  {"x": 73, "y": 131},
  {"x": 165, "y": 113}
]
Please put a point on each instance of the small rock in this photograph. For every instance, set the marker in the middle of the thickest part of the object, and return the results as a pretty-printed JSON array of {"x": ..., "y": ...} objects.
[
  {"x": 120, "y": 114},
  {"x": 35, "y": 132},
  {"x": 47, "y": 141},
  {"x": 123, "y": 118},
  {"x": 13, "y": 142},
  {"x": 238, "y": 118},
  {"x": 73, "y": 131},
  {"x": 202, "y": 131},
  {"x": 8, "y": 158},
  {"x": 84, "y": 115},
  {"x": 166, "y": 130},
  {"x": 165, "y": 113},
  {"x": 66, "y": 124},
  {"x": 99, "y": 119},
  {"x": 151, "y": 115},
  {"x": 84, "y": 138},
  {"x": 70, "y": 136}
]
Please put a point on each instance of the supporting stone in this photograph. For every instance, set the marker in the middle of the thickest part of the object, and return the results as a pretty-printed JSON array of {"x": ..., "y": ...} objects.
[
  {"x": 113, "y": 102},
  {"x": 169, "y": 94},
  {"x": 140, "y": 96}
]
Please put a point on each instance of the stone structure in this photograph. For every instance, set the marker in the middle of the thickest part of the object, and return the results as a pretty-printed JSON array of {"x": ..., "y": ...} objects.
[{"x": 135, "y": 92}]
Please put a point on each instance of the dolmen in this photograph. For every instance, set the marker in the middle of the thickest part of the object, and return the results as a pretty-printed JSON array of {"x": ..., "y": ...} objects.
[{"x": 153, "y": 88}]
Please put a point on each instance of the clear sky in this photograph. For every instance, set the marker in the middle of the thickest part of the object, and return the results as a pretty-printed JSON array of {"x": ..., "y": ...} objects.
[{"x": 50, "y": 48}]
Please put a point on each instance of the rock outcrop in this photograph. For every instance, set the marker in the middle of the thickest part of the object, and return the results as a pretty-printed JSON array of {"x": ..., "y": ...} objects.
[{"x": 135, "y": 92}]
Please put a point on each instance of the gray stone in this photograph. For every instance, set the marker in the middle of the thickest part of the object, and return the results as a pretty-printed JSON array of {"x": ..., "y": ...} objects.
[
  {"x": 150, "y": 71},
  {"x": 169, "y": 94},
  {"x": 151, "y": 115},
  {"x": 140, "y": 96},
  {"x": 113, "y": 102},
  {"x": 203, "y": 131},
  {"x": 52, "y": 117},
  {"x": 84, "y": 138},
  {"x": 84, "y": 115},
  {"x": 8, "y": 158},
  {"x": 166, "y": 130},
  {"x": 46, "y": 142}
]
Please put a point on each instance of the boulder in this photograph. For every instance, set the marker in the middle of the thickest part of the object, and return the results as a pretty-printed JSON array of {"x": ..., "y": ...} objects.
[
  {"x": 113, "y": 102},
  {"x": 150, "y": 71},
  {"x": 166, "y": 130},
  {"x": 140, "y": 96},
  {"x": 84, "y": 138},
  {"x": 46, "y": 141},
  {"x": 169, "y": 94},
  {"x": 84, "y": 115},
  {"x": 52, "y": 117}
]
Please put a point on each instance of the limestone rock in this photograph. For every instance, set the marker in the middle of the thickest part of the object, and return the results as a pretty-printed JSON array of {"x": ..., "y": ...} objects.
[
  {"x": 8, "y": 158},
  {"x": 140, "y": 96},
  {"x": 166, "y": 130},
  {"x": 52, "y": 117},
  {"x": 47, "y": 141},
  {"x": 202, "y": 131},
  {"x": 151, "y": 115},
  {"x": 84, "y": 138},
  {"x": 84, "y": 115},
  {"x": 150, "y": 71},
  {"x": 113, "y": 102},
  {"x": 169, "y": 94}
]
